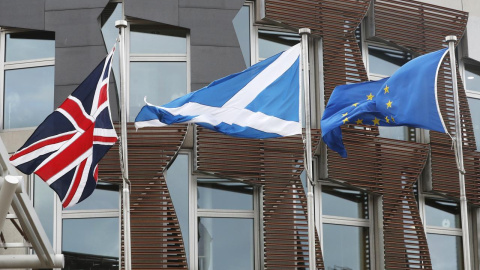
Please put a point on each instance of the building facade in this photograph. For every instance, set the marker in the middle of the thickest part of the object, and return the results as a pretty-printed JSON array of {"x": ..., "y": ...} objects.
[{"x": 201, "y": 200}]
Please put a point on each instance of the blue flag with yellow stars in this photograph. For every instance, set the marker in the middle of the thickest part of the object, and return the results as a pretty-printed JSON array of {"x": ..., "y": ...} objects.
[{"x": 407, "y": 98}]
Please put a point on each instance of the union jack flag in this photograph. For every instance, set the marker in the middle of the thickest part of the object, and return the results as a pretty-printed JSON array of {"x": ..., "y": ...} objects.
[{"x": 67, "y": 146}]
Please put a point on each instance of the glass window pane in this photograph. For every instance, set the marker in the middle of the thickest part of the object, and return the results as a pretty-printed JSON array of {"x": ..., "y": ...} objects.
[
  {"x": 160, "y": 82},
  {"x": 385, "y": 61},
  {"x": 344, "y": 202},
  {"x": 105, "y": 196},
  {"x": 224, "y": 194},
  {"x": 91, "y": 237},
  {"x": 474, "y": 105},
  {"x": 43, "y": 201},
  {"x": 241, "y": 23},
  {"x": 29, "y": 45},
  {"x": 177, "y": 181},
  {"x": 445, "y": 251},
  {"x": 397, "y": 133},
  {"x": 472, "y": 77},
  {"x": 225, "y": 243},
  {"x": 345, "y": 247},
  {"x": 30, "y": 88},
  {"x": 271, "y": 42},
  {"x": 442, "y": 213},
  {"x": 146, "y": 39}
]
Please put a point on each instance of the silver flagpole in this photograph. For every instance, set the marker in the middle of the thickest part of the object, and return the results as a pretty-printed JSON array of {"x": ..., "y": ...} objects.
[
  {"x": 122, "y": 24},
  {"x": 305, "y": 32},
  {"x": 459, "y": 155}
]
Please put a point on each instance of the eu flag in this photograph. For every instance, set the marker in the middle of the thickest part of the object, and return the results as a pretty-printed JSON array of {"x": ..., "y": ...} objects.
[{"x": 407, "y": 98}]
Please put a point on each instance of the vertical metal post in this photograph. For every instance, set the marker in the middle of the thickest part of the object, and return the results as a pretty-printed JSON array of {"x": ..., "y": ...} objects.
[
  {"x": 305, "y": 32},
  {"x": 122, "y": 24},
  {"x": 459, "y": 154}
]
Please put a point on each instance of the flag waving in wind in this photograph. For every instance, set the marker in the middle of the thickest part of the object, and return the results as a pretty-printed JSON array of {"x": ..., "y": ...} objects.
[
  {"x": 259, "y": 102},
  {"x": 407, "y": 98},
  {"x": 66, "y": 147}
]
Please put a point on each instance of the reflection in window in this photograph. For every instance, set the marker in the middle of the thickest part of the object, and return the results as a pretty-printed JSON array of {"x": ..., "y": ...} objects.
[
  {"x": 91, "y": 237},
  {"x": 225, "y": 243},
  {"x": 160, "y": 82},
  {"x": 345, "y": 247},
  {"x": 273, "y": 42},
  {"x": 29, "y": 45},
  {"x": 43, "y": 201},
  {"x": 344, "y": 202},
  {"x": 445, "y": 251},
  {"x": 474, "y": 105},
  {"x": 472, "y": 77},
  {"x": 177, "y": 178},
  {"x": 145, "y": 39},
  {"x": 224, "y": 195},
  {"x": 105, "y": 196},
  {"x": 397, "y": 133},
  {"x": 384, "y": 61},
  {"x": 30, "y": 88},
  {"x": 241, "y": 23},
  {"x": 442, "y": 213}
]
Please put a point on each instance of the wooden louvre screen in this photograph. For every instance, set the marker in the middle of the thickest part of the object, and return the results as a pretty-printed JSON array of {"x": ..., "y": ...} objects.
[
  {"x": 156, "y": 238},
  {"x": 276, "y": 164}
]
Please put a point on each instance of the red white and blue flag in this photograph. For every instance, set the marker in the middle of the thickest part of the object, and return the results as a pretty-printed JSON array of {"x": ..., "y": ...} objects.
[{"x": 67, "y": 146}]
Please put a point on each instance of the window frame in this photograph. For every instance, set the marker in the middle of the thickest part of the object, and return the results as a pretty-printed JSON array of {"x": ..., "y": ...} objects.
[{"x": 15, "y": 65}]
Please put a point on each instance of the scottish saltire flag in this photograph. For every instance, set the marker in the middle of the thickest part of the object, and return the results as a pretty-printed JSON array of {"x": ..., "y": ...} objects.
[
  {"x": 66, "y": 147},
  {"x": 407, "y": 98},
  {"x": 259, "y": 102}
]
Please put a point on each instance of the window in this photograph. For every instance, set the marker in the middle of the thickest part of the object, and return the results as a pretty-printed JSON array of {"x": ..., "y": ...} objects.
[
  {"x": 158, "y": 65},
  {"x": 27, "y": 77},
  {"x": 471, "y": 79},
  {"x": 347, "y": 228},
  {"x": 223, "y": 212},
  {"x": 444, "y": 233},
  {"x": 243, "y": 28}
]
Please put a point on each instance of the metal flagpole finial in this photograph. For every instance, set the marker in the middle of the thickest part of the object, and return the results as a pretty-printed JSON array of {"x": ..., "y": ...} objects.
[
  {"x": 120, "y": 23},
  {"x": 304, "y": 31},
  {"x": 451, "y": 38}
]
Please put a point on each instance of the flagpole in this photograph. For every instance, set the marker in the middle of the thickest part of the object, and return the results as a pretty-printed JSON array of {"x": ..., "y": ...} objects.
[
  {"x": 459, "y": 155},
  {"x": 122, "y": 24},
  {"x": 305, "y": 32}
]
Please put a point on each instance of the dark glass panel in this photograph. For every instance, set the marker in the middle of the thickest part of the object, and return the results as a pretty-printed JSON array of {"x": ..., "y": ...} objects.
[
  {"x": 159, "y": 82},
  {"x": 147, "y": 39},
  {"x": 105, "y": 196},
  {"x": 28, "y": 96},
  {"x": 272, "y": 42},
  {"x": 92, "y": 237},
  {"x": 218, "y": 194},
  {"x": 29, "y": 45},
  {"x": 225, "y": 243},
  {"x": 472, "y": 77},
  {"x": 241, "y": 23},
  {"x": 474, "y": 105},
  {"x": 445, "y": 251},
  {"x": 177, "y": 181},
  {"x": 385, "y": 61},
  {"x": 343, "y": 202},
  {"x": 345, "y": 247},
  {"x": 442, "y": 213},
  {"x": 43, "y": 202}
]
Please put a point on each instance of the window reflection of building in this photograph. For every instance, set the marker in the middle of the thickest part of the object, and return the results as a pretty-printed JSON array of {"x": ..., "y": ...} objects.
[
  {"x": 347, "y": 228},
  {"x": 27, "y": 77},
  {"x": 225, "y": 212},
  {"x": 444, "y": 233}
]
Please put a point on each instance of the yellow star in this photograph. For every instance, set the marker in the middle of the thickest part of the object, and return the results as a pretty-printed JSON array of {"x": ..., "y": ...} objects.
[
  {"x": 386, "y": 89},
  {"x": 386, "y": 119},
  {"x": 389, "y": 104},
  {"x": 359, "y": 121},
  {"x": 354, "y": 104},
  {"x": 345, "y": 120},
  {"x": 345, "y": 114},
  {"x": 393, "y": 119},
  {"x": 376, "y": 121},
  {"x": 370, "y": 97}
]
